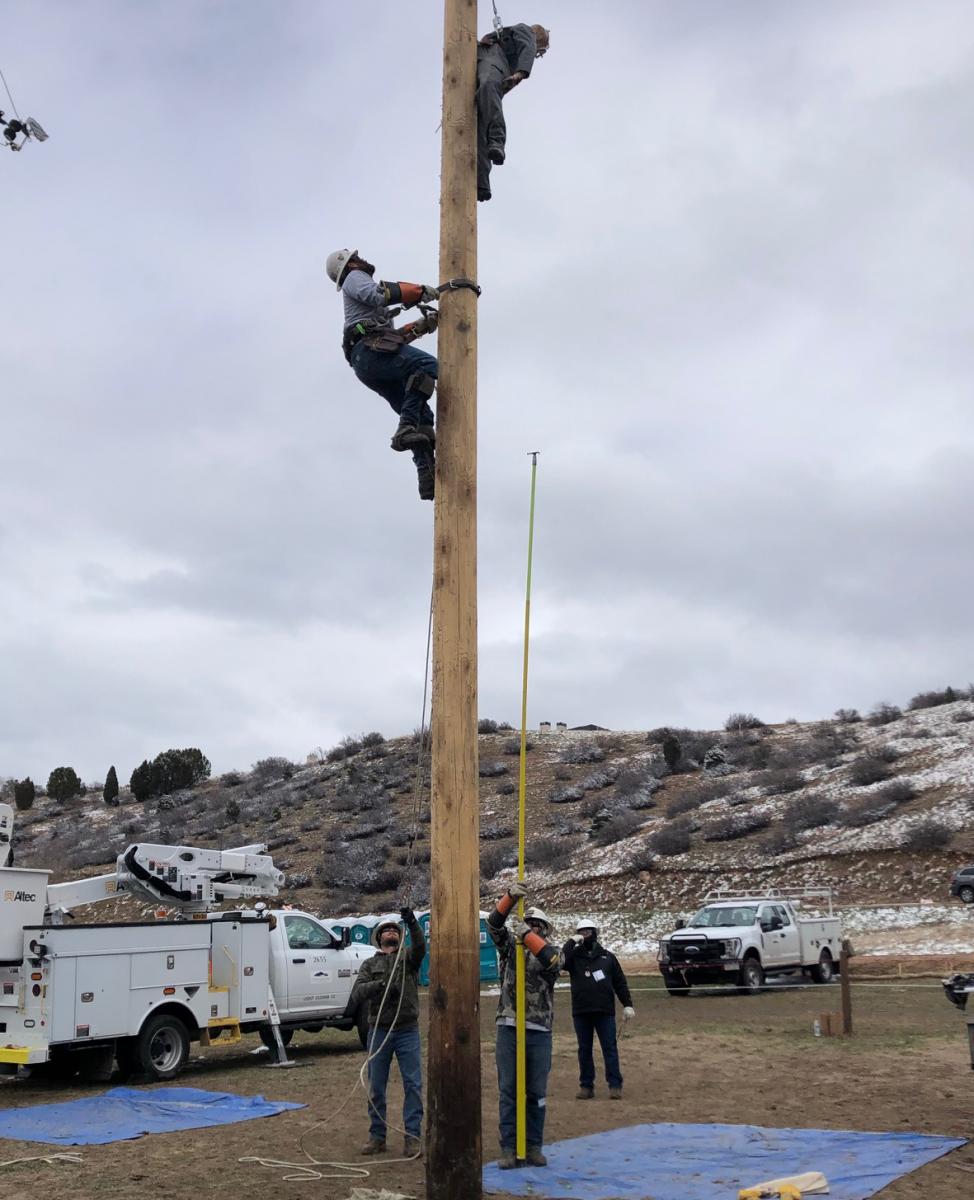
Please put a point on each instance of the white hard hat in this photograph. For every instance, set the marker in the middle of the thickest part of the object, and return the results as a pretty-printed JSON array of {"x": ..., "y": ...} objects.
[
  {"x": 389, "y": 921},
  {"x": 585, "y": 923},
  {"x": 537, "y": 914},
  {"x": 337, "y": 264}
]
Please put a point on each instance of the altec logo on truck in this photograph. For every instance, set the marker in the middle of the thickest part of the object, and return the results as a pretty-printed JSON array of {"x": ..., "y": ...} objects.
[{"x": 25, "y": 897}]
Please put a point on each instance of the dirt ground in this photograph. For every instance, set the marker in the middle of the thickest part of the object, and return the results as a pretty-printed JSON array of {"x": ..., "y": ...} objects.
[{"x": 707, "y": 1057}]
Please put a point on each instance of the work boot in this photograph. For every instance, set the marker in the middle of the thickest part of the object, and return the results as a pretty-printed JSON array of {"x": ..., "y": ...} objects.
[
  {"x": 534, "y": 1157},
  {"x": 408, "y": 437},
  {"x": 496, "y": 154},
  {"x": 411, "y": 1147},
  {"x": 615, "y": 1093},
  {"x": 427, "y": 483},
  {"x": 585, "y": 1093},
  {"x": 374, "y": 1146},
  {"x": 483, "y": 193},
  {"x": 429, "y": 433},
  {"x": 507, "y": 1160}
]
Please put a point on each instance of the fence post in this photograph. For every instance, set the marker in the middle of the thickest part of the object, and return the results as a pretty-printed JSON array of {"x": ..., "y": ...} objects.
[{"x": 844, "y": 955}]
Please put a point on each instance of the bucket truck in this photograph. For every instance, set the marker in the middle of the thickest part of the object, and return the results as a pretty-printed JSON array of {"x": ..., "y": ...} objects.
[{"x": 83, "y": 997}]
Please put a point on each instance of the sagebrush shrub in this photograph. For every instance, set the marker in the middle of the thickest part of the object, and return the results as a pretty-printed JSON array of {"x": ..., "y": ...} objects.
[
  {"x": 867, "y": 770},
  {"x": 929, "y": 834},
  {"x": 673, "y": 838}
]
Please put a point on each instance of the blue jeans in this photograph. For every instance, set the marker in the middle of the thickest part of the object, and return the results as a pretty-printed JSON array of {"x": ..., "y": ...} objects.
[
  {"x": 538, "y": 1066},
  {"x": 388, "y": 374},
  {"x": 604, "y": 1024},
  {"x": 404, "y": 1044}
]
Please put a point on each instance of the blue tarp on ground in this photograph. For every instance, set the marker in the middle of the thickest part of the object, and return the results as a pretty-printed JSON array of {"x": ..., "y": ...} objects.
[
  {"x": 129, "y": 1112},
  {"x": 701, "y": 1162}
]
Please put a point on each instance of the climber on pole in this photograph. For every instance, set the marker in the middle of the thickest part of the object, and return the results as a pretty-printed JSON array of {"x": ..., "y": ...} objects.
[
  {"x": 504, "y": 59},
  {"x": 382, "y": 356}
]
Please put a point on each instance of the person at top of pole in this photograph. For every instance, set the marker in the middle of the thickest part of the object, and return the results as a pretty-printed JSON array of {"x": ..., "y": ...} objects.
[
  {"x": 504, "y": 59},
  {"x": 383, "y": 357},
  {"x": 541, "y": 969}
]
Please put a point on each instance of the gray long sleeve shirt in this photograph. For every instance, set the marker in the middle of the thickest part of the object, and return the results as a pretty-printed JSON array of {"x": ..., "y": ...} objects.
[
  {"x": 519, "y": 46},
  {"x": 363, "y": 300}
]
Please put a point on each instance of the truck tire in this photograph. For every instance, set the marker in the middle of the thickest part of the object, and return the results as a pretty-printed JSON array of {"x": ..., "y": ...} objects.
[
  {"x": 676, "y": 984},
  {"x": 750, "y": 979},
  {"x": 967, "y": 894},
  {"x": 267, "y": 1036},
  {"x": 162, "y": 1048},
  {"x": 362, "y": 1025},
  {"x": 824, "y": 970}
]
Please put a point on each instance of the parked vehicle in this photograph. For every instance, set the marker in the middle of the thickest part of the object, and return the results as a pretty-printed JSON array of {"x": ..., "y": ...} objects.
[
  {"x": 81, "y": 997},
  {"x": 744, "y": 939},
  {"x": 962, "y": 885}
]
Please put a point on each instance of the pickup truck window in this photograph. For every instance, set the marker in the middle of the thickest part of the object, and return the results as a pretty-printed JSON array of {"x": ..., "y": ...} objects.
[
  {"x": 783, "y": 914},
  {"x": 723, "y": 917},
  {"x": 305, "y": 934}
]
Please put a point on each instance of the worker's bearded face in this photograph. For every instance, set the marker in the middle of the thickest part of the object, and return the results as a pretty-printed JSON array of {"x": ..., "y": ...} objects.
[
  {"x": 360, "y": 264},
  {"x": 389, "y": 939}
]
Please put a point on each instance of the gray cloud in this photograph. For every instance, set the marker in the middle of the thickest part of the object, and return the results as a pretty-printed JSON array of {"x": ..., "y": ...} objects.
[{"x": 726, "y": 279}]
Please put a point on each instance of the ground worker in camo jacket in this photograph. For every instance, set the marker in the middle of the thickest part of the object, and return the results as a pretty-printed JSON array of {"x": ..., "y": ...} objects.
[{"x": 543, "y": 962}]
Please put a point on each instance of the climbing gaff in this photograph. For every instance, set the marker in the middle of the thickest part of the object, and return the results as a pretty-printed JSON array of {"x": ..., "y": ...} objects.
[{"x": 521, "y": 1028}]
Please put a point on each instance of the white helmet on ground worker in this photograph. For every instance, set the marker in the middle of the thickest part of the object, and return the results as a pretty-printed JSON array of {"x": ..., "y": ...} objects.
[
  {"x": 538, "y": 914},
  {"x": 388, "y": 921},
  {"x": 337, "y": 265},
  {"x": 586, "y": 923}
]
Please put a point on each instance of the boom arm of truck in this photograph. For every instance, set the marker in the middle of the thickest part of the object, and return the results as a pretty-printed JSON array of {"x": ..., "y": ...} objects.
[{"x": 185, "y": 878}]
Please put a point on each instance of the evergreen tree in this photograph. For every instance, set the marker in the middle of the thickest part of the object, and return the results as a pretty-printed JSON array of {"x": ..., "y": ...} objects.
[
  {"x": 141, "y": 780},
  {"x": 24, "y": 793},
  {"x": 63, "y": 783},
  {"x": 110, "y": 793},
  {"x": 672, "y": 751}
]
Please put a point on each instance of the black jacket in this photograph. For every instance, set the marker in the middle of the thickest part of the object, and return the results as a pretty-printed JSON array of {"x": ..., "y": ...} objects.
[{"x": 596, "y": 979}]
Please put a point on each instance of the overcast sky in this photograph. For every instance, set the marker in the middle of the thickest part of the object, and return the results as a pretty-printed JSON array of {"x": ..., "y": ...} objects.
[{"x": 727, "y": 293}]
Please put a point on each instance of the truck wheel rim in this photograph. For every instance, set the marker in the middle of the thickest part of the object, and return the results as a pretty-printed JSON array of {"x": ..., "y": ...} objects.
[
  {"x": 825, "y": 966},
  {"x": 165, "y": 1050},
  {"x": 967, "y": 894}
]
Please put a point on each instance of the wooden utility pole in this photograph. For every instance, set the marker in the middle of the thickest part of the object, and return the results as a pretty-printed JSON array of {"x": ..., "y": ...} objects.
[
  {"x": 846, "y": 986},
  {"x": 454, "y": 1150}
]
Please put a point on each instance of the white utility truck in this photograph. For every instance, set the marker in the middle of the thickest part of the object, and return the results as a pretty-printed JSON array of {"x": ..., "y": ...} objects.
[
  {"x": 6, "y": 835},
  {"x": 81, "y": 997},
  {"x": 741, "y": 939}
]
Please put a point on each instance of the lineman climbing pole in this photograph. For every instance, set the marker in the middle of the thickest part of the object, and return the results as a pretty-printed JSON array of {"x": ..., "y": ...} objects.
[{"x": 454, "y": 1150}]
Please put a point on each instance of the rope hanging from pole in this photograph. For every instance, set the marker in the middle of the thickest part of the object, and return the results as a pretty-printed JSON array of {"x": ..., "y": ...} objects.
[{"x": 521, "y": 1026}]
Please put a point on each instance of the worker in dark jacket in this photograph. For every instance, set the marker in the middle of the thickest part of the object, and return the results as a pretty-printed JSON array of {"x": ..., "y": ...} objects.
[
  {"x": 541, "y": 967},
  {"x": 596, "y": 979},
  {"x": 504, "y": 59},
  {"x": 387, "y": 982},
  {"x": 384, "y": 358}
]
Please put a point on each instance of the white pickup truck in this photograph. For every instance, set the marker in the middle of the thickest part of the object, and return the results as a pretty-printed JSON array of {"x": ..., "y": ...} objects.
[
  {"x": 742, "y": 939},
  {"x": 84, "y": 996}
]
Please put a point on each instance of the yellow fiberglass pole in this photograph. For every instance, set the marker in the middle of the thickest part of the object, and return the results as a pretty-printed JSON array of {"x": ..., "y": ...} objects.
[{"x": 522, "y": 1074}]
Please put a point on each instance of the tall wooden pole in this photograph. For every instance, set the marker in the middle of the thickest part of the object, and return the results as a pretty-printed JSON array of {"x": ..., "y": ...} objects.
[{"x": 454, "y": 1150}]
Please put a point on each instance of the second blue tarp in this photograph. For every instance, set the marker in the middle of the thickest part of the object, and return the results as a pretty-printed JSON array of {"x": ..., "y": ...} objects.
[
  {"x": 130, "y": 1112},
  {"x": 702, "y": 1162}
]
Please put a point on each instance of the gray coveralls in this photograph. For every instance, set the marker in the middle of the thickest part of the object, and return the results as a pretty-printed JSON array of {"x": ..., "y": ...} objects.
[{"x": 498, "y": 56}]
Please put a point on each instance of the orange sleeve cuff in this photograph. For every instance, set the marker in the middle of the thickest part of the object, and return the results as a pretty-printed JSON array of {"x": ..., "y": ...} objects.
[
  {"x": 505, "y": 904},
  {"x": 411, "y": 292},
  {"x": 534, "y": 942}
]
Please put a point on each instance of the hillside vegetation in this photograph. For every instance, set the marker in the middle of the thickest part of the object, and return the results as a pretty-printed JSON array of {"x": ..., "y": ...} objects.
[{"x": 880, "y": 807}]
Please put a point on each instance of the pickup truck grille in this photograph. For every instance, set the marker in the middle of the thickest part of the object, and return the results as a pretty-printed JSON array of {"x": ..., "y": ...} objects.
[{"x": 691, "y": 950}]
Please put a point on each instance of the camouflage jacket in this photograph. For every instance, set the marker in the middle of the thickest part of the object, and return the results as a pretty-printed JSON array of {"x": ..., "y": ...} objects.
[
  {"x": 540, "y": 974},
  {"x": 373, "y": 976}
]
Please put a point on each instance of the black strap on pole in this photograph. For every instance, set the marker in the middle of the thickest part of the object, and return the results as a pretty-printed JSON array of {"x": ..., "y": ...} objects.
[{"x": 461, "y": 281}]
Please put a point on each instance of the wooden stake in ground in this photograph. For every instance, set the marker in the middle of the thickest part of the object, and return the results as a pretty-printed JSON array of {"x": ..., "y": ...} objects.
[
  {"x": 846, "y": 987},
  {"x": 454, "y": 1150}
]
